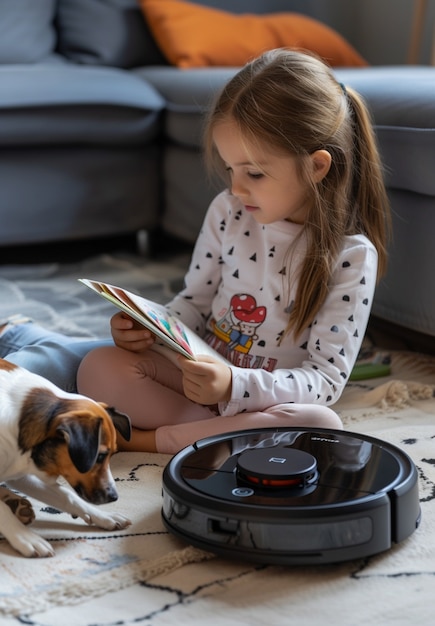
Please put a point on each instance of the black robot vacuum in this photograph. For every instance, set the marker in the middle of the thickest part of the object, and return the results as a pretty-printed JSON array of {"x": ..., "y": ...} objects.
[{"x": 291, "y": 496}]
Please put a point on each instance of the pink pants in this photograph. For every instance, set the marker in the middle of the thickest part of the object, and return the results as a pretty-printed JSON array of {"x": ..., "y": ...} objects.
[{"x": 148, "y": 388}]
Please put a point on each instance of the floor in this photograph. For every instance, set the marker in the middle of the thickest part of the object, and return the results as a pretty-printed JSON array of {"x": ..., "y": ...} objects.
[{"x": 71, "y": 251}]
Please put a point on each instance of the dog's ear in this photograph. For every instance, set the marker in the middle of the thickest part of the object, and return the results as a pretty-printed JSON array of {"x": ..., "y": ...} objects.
[
  {"x": 83, "y": 441},
  {"x": 121, "y": 422}
]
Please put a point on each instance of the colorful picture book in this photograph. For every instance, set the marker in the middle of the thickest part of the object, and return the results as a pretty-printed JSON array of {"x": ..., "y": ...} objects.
[{"x": 169, "y": 331}]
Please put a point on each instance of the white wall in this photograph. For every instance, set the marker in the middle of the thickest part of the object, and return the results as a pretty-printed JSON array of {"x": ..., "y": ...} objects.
[
  {"x": 379, "y": 29},
  {"x": 384, "y": 32}
]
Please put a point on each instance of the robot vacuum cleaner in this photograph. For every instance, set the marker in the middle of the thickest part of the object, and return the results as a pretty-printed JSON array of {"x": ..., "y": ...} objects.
[{"x": 291, "y": 496}]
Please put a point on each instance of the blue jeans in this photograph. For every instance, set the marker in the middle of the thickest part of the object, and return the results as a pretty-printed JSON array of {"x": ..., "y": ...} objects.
[{"x": 49, "y": 354}]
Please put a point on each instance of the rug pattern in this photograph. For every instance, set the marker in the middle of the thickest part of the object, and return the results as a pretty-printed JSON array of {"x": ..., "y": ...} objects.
[{"x": 175, "y": 582}]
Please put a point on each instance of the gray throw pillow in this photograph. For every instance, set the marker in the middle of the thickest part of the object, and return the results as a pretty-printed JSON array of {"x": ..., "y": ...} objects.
[
  {"x": 27, "y": 33},
  {"x": 106, "y": 32}
]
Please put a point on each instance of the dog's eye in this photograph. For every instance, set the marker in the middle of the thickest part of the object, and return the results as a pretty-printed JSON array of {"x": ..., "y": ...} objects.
[{"x": 101, "y": 457}]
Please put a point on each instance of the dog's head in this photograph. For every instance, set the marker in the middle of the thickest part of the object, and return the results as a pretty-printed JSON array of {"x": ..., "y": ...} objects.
[{"x": 73, "y": 438}]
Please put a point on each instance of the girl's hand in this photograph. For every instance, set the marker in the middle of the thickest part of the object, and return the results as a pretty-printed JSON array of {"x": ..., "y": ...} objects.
[
  {"x": 206, "y": 381},
  {"x": 129, "y": 334}
]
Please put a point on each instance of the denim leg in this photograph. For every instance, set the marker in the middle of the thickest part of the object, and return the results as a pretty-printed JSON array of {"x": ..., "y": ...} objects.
[{"x": 49, "y": 354}]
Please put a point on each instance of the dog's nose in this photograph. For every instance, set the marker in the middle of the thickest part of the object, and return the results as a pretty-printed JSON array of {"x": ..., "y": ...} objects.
[
  {"x": 97, "y": 496},
  {"x": 112, "y": 495},
  {"x": 104, "y": 496}
]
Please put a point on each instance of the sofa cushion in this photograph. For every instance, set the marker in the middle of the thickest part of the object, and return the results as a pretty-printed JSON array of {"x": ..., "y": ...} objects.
[
  {"x": 402, "y": 102},
  {"x": 195, "y": 36},
  {"x": 121, "y": 38},
  {"x": 188, "y": 94},
  {"x": 44, "y": 104},
  {"x": 27, "y": 32}
]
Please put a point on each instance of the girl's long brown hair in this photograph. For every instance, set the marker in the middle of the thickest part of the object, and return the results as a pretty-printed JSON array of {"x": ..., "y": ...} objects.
[{"x": 291, "y": 101}]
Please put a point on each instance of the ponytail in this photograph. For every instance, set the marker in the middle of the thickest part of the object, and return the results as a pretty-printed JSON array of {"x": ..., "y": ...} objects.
[{"x": 369, "y": 209}]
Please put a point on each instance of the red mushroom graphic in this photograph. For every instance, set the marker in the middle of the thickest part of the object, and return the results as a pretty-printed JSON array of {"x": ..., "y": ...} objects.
[{"x": 246, "y": 316}]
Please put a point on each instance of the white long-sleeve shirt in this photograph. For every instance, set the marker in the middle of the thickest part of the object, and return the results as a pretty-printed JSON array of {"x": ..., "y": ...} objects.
[{"x": 237, "y": 295}]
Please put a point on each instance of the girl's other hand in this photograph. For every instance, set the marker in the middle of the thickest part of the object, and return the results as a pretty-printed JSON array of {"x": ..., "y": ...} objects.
[
  {"x": 206, "y": 381},
  {"x": 129, "y": 334}
]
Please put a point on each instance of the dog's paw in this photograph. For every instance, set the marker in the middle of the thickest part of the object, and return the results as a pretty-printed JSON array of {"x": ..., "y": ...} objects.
[
  {"x": 20, "y": 507},
  {"x": 29, "y": 544},
  {"x": 108, "y": 521}
]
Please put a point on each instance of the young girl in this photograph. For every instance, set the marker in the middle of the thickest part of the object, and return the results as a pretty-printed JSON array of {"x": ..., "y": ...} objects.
[{"x": 282, "y": 275}]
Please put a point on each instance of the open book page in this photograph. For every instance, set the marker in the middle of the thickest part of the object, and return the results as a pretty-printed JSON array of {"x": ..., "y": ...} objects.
[{"x": 169, "y": 331}]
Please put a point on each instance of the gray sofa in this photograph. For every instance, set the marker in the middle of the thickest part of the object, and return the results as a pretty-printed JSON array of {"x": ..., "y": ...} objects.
[
  {"x": 100, "y": 136},
  {"x": 80, "y": 154}
]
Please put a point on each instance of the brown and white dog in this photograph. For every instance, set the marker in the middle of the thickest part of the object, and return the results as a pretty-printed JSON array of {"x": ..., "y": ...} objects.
[{"x": 47, "y": 434}]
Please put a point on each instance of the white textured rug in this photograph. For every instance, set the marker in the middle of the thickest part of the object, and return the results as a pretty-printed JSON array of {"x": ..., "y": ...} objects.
[{"x": 142, "y": 575}]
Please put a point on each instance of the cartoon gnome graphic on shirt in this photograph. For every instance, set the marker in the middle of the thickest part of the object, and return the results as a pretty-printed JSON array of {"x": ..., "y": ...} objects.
[{"x": 237, "y": 328}]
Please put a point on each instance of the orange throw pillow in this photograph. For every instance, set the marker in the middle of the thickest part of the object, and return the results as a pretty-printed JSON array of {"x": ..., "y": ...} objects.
[{"x": 191, "y": 35}]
